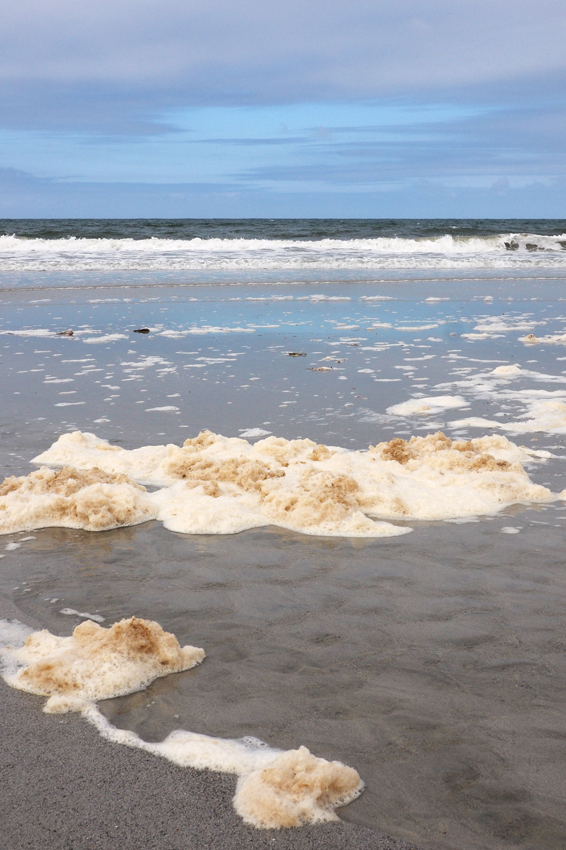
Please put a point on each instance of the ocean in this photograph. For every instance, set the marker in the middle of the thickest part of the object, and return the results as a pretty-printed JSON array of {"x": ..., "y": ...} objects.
[
  {"x": 392, "y": 603},
  {"x": 280, "y": 245}
]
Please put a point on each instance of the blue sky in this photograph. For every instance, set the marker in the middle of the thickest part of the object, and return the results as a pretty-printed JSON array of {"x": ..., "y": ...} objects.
[{"x": 190, "y": 108}]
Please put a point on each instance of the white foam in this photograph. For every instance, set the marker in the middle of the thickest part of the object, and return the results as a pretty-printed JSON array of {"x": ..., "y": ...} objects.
[
  {"x": 13, "y": 635},
  {"x": 508, "y": 371},
  {"x": 410, "y": 328},
  {"x": 71, "y": 612},
  {"x": 552, "y": 339},
  {"x": 521, "y": 409},
  {"x": 38, "y": 332},
  {"x": 206, "y": 329},
  {"x": 442, "y": 252},
  {"x": 93, "y": 340},
  {"x": 547, "y": 416},
  {"x": 504, "y": 324},
  {"x": 429, "y": 405}
]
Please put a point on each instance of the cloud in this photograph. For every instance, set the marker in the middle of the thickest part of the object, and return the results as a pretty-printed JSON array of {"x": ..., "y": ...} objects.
[
  {"x": 25, "y": 196},
  {"x": 73, "y": 63},
  {"x": 170, "y": 103}
]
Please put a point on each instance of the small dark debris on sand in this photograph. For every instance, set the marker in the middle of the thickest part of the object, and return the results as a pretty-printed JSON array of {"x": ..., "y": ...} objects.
[{"x": 141, "y": 331}]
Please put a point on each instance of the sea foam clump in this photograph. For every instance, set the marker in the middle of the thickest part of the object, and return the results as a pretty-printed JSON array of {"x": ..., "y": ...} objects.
[
  {"x": 532, "y": 339},
  {"x": 219, "y": 485},
  {"x": 97, "y": 663},
  {"x": 295, "y": 789},
  {"x": 90, "y": 499}
]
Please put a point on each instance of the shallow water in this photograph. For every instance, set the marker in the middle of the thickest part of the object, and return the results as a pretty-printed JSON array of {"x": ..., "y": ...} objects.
[{"x": 432, "y": 662}]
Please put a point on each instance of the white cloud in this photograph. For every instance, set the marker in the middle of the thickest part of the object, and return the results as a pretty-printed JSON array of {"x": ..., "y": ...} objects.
[{"x": 262, "y": 50}]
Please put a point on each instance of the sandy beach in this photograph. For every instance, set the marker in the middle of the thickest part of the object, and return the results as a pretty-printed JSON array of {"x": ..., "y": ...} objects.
[{"x": 430, "y": 661}]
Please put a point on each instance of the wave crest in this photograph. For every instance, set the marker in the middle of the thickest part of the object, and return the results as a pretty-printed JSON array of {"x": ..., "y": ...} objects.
[{"x": 505, "y": 250}]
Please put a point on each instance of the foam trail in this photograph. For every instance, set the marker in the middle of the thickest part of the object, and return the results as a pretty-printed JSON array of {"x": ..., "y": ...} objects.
[{"x": 275, "y": 789}]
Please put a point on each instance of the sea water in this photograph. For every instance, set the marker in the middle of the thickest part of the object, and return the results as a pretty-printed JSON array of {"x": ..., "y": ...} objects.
[{"x": 432, "y": 661}]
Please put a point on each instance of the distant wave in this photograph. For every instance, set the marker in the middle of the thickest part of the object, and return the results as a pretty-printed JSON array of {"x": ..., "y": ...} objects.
[{"x": 503, "y": 251}]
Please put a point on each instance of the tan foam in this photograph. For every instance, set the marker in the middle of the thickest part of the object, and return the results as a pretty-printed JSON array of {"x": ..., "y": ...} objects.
[
  {"x": 322, "y": 503},
  {"x": 295, "y": 789},
  {"x": 246, "y": 474},
  {"x": 97, "y": 663},
  {"x": 86, "y": 451},
  {"x": 532, "y": 339},
  {"x": 440, "y": 452},
  {"x": 220, "y": 485},
  {"x": 91, "y": 499}
]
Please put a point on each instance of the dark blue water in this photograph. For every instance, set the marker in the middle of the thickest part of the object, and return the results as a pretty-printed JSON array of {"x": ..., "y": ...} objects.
[{"x": 263, "y": 228}]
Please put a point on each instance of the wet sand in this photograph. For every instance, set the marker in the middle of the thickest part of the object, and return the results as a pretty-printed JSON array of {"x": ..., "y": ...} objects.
[{"x": 432, "y": 663}]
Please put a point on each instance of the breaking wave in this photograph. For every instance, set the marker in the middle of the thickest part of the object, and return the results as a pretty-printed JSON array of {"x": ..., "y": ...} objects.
[{"x": 501, "y": 251}]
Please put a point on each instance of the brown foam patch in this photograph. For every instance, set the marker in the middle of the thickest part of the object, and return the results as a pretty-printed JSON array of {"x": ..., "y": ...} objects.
[
  {"x": 438, "y": 450},
  {"x": 90, "y": 499},
  {"x": 296, "y": 789},
  {"x": 275, "y": 789},
  {"x": 97, "y": 663}
]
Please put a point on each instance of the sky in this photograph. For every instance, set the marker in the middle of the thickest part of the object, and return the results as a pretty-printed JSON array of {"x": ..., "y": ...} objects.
[{"x": 364, "y": 108}]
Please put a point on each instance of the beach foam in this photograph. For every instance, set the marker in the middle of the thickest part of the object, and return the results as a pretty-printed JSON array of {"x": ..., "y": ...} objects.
[
  {"x": 220, "y": 485},
  {"x": 425, "y": 406},
  {"x": 91, "y": 499},
  {"x": 548, "y": 416}
]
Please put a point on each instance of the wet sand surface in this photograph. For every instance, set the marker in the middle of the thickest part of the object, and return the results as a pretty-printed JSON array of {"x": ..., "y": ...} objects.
[{"x": 433, "y": 663}]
